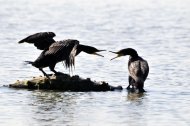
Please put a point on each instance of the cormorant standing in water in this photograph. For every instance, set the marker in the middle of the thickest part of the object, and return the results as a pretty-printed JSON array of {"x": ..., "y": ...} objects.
[
  {"x": 137, "y": 66},
  {"x": 56, "y": 51}
]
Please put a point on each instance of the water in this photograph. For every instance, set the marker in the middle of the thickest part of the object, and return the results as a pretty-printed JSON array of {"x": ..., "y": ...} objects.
[{"x": 158, "y": 30}]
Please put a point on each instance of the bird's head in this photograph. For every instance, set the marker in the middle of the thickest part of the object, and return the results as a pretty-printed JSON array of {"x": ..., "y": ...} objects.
[
  {"x": 90, "y": 50},
  {"x": 127, "y": 51}
]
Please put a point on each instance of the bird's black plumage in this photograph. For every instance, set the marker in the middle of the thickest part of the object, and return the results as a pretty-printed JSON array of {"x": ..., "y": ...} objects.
[
  {"x": 56, "y": 51},
  {"x": 41, "y": 40},
  {"x": 138, "y": 68}
]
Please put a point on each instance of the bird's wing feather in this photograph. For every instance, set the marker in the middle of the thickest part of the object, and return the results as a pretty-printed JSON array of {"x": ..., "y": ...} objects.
[
  {"x": 41, "y": 40},
  {"x": 64, "y": 51},
  {"x": 145, "y": 68},
  {"x": 138, "y": 70}
]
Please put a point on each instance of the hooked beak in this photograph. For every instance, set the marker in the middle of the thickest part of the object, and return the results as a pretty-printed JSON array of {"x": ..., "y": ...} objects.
[
  {"x": 101, "y": 50},
  {"x": 97, "y": 54},
  {"x": 113, "y": 52},
  {"x": 118, "y": 55}
]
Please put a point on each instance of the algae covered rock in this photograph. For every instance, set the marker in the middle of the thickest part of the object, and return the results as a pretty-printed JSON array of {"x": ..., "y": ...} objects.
[{"x": 64, "y": 82}]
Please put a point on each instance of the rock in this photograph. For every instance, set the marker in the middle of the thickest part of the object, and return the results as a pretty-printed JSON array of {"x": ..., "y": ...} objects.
[{"x": 64, "y": 82}]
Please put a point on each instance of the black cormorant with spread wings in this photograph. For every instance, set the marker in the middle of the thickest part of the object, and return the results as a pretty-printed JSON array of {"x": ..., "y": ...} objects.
[
  {"x": 56, "y": 51},
  {"x": 137, "y": 66}
]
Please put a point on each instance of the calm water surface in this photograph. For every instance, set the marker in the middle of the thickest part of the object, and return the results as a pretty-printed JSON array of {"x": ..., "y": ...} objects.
[{"x": 158, "y": 30}]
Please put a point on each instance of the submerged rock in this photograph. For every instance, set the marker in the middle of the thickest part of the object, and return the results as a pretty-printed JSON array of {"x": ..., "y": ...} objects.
[{"x": 64, "y": 82}]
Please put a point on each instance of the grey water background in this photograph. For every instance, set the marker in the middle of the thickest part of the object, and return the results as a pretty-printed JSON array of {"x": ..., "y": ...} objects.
[{"x": 158, "y": 30}]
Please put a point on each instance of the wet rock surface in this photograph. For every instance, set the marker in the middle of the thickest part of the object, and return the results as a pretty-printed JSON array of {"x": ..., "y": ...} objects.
[{"x": 64, "y": 82}]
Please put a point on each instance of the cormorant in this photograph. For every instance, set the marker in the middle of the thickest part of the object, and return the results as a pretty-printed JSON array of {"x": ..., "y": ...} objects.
[
  {"x": 56, "y": 51},
  {"x": 138, "y": 68}
]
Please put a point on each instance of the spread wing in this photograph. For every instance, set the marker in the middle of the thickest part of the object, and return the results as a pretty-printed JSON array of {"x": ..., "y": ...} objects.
[
  {"x": 41, "y": 40},
  {"x": 64, "y": 50}
]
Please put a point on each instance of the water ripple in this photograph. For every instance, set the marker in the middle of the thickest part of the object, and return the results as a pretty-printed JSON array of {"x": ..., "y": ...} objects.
[{"x": 158, "y": 30}]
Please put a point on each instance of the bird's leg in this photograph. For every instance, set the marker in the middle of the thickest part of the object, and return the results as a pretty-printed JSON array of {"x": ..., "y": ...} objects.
[
  {"x": 140, "y": 87},
  {"x": 44, "y": 73},
  {"x": 133, "y": 85},
  {"x": 53, "y": 70},
  {"x": 130, "y": 82},
  {"x": 141, "y": 90}
]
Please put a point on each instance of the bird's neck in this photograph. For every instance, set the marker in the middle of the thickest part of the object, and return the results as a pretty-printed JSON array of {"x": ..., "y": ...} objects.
[
  {"x": 85, "y": 48},
  {"x": 80, "y": 48},
  {"x": 134, "y": 54}
]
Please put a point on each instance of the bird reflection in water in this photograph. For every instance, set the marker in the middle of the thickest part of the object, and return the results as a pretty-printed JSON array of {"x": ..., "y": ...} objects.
[{"x": 134, "y": 96}]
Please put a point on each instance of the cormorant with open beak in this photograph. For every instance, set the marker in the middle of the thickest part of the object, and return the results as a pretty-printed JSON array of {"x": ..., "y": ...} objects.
[
  {"x": 138, "y": 68},
  {"x": 56, "y": 51}
]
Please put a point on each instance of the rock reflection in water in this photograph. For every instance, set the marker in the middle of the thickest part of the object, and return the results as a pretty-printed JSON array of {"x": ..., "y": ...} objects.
[{"x": 53, "y": 106}]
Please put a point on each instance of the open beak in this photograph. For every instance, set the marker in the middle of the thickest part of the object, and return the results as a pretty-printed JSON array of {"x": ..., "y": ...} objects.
[
  {"x": 113, "y": 52},
  {"x": 97, "y": 54},
  {"x": 101, "y": 50},
  {"x": 118, "y": 55}
]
